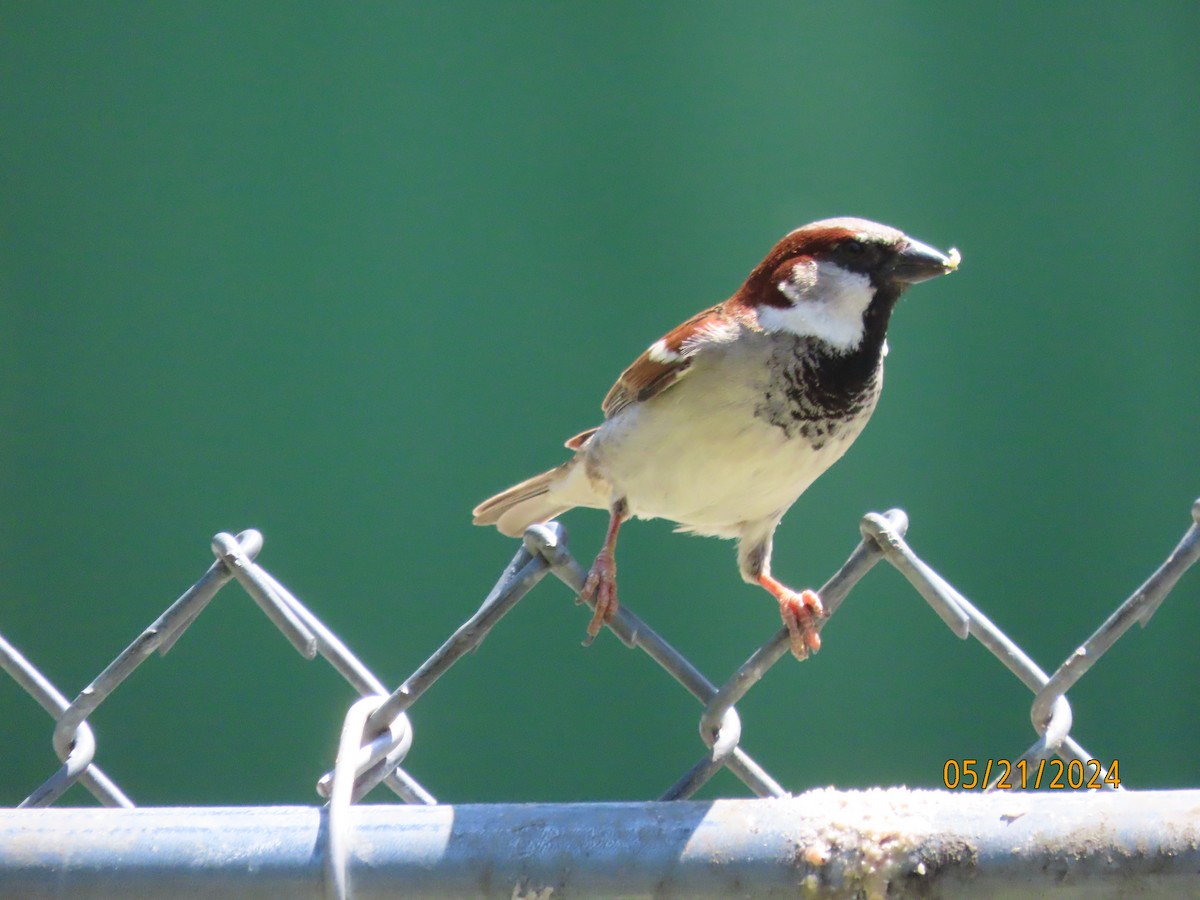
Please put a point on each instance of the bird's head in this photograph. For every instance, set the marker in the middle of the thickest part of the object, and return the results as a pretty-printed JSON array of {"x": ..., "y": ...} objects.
[{"x": 837, "y": 280}]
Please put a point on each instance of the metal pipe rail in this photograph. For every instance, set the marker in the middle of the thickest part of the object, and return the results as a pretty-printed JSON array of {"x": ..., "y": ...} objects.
[{"x": 825, "y": 843}]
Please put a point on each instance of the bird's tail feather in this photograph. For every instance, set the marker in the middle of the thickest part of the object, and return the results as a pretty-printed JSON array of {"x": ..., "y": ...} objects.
[{"x": 524, "y": 504}]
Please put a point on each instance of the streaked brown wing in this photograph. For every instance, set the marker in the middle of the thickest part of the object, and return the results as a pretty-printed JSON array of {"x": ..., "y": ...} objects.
[{"x": 664, "y": 362}]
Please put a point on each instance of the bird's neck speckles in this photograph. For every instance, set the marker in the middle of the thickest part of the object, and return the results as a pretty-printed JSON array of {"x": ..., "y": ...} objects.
[{"x": 815, "y": 394}]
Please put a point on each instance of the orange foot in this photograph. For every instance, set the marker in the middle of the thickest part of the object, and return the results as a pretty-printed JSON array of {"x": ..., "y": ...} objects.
[
  {"x": 800, "y": 613},
  {"x": 601, "y": 585}
]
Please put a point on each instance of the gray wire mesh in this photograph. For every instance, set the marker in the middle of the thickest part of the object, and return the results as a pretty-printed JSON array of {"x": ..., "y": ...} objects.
[
  {"x": 372, "y": 751},
  {"x": 376, "y": 735}
]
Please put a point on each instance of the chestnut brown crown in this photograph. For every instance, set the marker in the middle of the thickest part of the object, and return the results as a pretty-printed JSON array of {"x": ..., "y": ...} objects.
[{"x": 885, "y": 255}]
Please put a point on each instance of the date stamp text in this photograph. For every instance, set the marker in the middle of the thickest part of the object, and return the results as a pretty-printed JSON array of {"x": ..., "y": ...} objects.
[{"x": 1052, "y": 774}]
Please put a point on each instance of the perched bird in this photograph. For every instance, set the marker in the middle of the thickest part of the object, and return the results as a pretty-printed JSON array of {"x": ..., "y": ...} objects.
[{"x": 720, "y": 425}]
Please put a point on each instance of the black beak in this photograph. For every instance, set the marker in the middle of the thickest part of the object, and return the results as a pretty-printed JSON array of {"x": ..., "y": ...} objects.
[{"x": 917, "y": 262}]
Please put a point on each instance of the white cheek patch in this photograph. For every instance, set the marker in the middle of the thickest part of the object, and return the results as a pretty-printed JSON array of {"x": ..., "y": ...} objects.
[{"x": 828, "y": 303}]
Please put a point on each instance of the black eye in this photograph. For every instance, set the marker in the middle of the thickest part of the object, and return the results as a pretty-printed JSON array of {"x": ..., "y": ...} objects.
[{"x": 854, "y": 248}]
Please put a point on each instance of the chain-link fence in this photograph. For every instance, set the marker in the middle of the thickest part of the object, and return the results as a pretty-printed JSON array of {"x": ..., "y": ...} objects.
[{"x": 377, "y": 736}]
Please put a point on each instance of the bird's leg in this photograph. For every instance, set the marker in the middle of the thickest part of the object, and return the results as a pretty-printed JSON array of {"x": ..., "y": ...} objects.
[
  {"x": 800, "y": 611},
  {"x": 601, "y": 584}
]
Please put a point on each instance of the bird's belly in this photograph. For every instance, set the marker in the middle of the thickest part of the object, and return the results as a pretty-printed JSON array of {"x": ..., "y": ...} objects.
[{"x": 715, "y": 468}]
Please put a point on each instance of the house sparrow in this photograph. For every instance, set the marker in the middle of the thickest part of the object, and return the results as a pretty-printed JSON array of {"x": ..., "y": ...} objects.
[{"x": 722, "y": 424}]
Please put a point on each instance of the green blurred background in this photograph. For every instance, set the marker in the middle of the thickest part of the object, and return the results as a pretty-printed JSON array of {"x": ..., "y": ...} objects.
[{"x": 338, "y": 272}]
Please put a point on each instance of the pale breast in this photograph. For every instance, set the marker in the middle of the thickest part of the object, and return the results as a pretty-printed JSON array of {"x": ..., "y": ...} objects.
[{"x": 737, "y": 440}]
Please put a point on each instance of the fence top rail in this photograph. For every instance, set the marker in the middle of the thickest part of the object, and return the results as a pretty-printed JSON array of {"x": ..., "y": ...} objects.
[{"x": 894, "y": 842}]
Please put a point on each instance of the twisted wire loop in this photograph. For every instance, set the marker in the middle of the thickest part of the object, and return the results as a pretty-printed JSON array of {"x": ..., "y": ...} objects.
[
  {"x": 353, "y": 758},
  {"x": 78, "y": 765},
  {"x": 377, "y": 734}
]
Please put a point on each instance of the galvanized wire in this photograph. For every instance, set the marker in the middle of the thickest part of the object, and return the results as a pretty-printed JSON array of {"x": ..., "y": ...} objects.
[
  {"x": 78, "y": 762},
  {"x": 377, "y": 735}
]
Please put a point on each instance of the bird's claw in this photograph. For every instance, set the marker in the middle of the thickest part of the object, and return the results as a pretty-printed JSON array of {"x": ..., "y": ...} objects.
[
  {"x": 801, "y": 612},
  {"x": 600, "y": 588}
]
